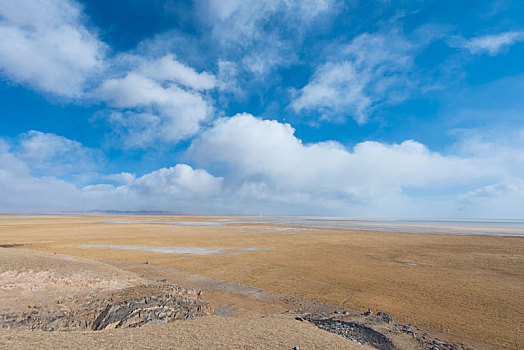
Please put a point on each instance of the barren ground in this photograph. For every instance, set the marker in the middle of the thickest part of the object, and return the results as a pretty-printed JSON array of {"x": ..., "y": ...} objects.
[
  {"x": 203, "y": 333},
  {"x": 468, "y": 287}
]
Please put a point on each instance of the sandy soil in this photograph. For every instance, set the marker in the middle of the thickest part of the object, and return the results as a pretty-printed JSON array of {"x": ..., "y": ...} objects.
[
  {"x": 211, "y": 332},
  {"x": 470, "y": 287},
  {"x": 29, "y": 277},
  {"x": 57, "y": 275}
]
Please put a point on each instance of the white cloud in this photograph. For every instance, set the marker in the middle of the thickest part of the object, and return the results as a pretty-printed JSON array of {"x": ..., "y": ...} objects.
[
  {"x": 494, "y": 201},
  {"x": 491, "y": 44},
  {"x": 51, "y": 154},
  {"x": 262, "y": 60},
  {"x": 273, "y": 172},
  {"x": 267, "y": 170},
  {"x": 227, "y": 77},
  {"x": 45, "y": 45},
  {"x": 180, "y": 180},
  {"x": 10, "y": 163},
  {"x": 335, "y": 90},
  {"x": 156, "y": 101},
  {"x": 237, "y": 21},
  {"x": 266, "y": 149},
  {"x": 122, "y": 178},
  {"x": 241, "y": 29},
  {"x": 135, "y": 130},
  {"x": 179, "y": 187},
  {"x": 21, "y": 191},
  {"x": 168, "y": 68},
  {"x": 159, "y": 101},
  {"x": 373, "y": 69}
]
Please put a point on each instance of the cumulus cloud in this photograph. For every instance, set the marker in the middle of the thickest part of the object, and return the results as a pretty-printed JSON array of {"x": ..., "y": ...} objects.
[
  {"x": 21, "y": 189},
  {"x": 153, "y": 100},
  {"x": 46, "y": 46},
  {"x": 490, "y": 44},
  {"x": 372, "y": 69},
  {"x": 266, "y": 169},
  {"x": 180, "y": 180},
  {"x": 121, "y": 178},
  {"x": 158, "y": 100},
  {"x": 257, "y": 149},
  {"x": 274, "y": 171},
  {"x": 178, "y": 188},
  {"x": 51, "y": 154}
]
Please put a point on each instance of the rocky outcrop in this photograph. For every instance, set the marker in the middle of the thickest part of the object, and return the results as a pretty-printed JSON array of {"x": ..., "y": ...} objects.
[
  {"x": 130, "y": 307},
  {"x": 378, "y": 331},
  {"x": 148, "y": 310},
  {"x": 353, "y": 331}
]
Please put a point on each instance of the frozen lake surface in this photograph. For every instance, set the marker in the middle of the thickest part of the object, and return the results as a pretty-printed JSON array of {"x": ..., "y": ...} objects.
[{"x": 513, "y": 228}]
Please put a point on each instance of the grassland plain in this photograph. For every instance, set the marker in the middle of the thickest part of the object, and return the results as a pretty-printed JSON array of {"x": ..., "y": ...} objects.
[
  {"x": 50, "y": 301},
  {"x": 468, "y": 286}
]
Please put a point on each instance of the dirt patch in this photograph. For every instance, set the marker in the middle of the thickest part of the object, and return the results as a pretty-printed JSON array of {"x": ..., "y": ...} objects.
[
  {"x": 55, "y": 292},
  {"x": 29, "y": 278},
  {"x": 11, "y": 245}
]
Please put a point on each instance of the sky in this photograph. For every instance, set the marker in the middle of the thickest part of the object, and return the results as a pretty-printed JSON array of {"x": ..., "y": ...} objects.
[{"x": 355, "y": 108}]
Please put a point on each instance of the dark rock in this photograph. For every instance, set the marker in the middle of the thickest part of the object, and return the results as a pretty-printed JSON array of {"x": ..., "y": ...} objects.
[
  {"x": 132, "y": 307},
  {"x": 355, "y": 332},
  {"x": 367, "y": 313},
  {"x": 385, "y": 317},
  {"x": 147, "y": 310}
]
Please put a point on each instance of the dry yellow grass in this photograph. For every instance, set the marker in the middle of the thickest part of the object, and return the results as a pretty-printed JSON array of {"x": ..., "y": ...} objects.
[
  {"x": 31, "y": 280},
  {"x": 201, "y": 333},
  {"x": 469, "y": 286}
]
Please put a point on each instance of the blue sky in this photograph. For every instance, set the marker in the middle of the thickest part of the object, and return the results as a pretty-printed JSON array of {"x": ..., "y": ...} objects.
[{"x": 314, "y": 107}]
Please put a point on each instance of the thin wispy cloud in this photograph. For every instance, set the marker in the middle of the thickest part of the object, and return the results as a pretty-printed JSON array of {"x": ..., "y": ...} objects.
[
  {"x": 491, "y": 44},
  {"x": 241, "y": 28},
  {"x": 371, "y": 69},
  {"x": 55, "y": 155}
]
